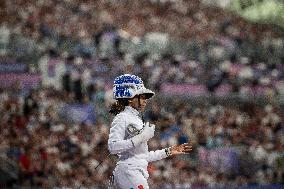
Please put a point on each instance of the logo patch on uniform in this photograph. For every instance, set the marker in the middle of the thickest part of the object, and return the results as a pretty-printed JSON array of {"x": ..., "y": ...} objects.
[
  {"x": 132, "y": 130},
  {"x": 140, "y": 187}
]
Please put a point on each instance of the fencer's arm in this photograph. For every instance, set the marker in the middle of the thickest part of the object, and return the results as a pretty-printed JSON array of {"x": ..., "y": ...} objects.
[
  {"x": 155, "y": 155},
  {"x": 173, "y": 150},
  {"x": 116, "y": 142}
]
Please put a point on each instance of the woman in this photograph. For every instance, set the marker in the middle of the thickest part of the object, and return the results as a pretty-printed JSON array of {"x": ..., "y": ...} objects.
[{"x": 129, "y": 134}]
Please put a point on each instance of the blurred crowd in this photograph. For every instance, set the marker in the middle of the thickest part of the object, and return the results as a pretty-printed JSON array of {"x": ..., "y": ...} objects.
[
  {"x": 49, "y": 151},
  {"x": 165, "y": 42},
  {"x": 79, "y": 47},
  {"x": 54, "y": 153}
]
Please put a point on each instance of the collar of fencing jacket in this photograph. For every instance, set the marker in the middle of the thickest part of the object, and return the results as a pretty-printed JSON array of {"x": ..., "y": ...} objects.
[
  {"x": 132, "y": 110},
  {"x": 135, "y": 112}
]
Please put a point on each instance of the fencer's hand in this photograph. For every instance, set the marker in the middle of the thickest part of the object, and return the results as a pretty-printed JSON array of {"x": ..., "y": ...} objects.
[
  {"x": 181, "y": 149},
  {"x": 147, "y": 133}
]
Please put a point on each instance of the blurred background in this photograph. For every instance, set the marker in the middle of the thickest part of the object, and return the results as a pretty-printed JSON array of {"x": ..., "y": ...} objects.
[{"x": 217, "y": 67}]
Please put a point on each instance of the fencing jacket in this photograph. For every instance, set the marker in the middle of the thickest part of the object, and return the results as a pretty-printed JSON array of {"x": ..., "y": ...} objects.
[{"x": 125, "y": 125}]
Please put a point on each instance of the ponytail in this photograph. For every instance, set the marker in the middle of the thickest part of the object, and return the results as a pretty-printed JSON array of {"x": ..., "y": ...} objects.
[{"x": 118, "y": 106}]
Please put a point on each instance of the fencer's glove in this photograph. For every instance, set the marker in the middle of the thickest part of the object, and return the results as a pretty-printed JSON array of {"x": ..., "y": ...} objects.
[{"x": 147, "y": 133}]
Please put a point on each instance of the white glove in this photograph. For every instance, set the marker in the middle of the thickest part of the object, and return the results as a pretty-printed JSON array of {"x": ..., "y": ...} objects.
[{"x": 147, "y": 133}]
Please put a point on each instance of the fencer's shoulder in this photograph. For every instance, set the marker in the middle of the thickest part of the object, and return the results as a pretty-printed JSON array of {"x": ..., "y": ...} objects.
[
  {"x": 120, "y": 117},
  {"x": 122, "y": 114}
]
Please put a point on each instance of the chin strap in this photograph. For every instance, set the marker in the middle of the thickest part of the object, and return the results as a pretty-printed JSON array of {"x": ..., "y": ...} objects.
[{"x": 139, "y": 110}]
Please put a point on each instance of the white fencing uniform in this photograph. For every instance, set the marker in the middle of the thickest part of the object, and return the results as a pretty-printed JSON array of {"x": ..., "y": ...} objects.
[{"x": 131, "y": 169}]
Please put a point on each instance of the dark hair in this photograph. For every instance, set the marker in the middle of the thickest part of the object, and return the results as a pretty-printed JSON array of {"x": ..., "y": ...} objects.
[{"x": 118, "y": 106}]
